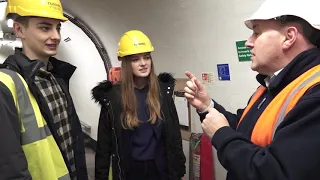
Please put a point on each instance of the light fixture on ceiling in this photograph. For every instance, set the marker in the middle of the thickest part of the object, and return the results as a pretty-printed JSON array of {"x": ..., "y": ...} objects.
[{"x": 10, "y": 23}]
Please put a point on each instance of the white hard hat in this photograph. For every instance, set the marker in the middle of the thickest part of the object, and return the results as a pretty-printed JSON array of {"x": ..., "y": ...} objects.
[{"x": 305, "y": 9}]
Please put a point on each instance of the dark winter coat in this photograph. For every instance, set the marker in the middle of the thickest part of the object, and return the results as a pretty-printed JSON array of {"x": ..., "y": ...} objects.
[{"x": 110, "y": 143}]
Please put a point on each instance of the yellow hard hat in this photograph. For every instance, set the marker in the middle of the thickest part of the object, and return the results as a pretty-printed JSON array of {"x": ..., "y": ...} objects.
[
  {"x": 134, "y": 42},
  {"x": 39, "y": 8}
]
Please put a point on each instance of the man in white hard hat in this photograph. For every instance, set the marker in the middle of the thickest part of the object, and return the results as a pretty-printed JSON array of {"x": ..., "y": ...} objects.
[{"x": 277, "y": 136}]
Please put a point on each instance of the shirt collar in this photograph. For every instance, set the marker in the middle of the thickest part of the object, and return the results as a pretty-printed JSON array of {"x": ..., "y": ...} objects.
[{"x": 269, "y": 79}]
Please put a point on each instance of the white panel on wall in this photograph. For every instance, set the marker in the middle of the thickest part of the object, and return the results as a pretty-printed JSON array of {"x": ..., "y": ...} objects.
[{"x": 81, "y": 52}]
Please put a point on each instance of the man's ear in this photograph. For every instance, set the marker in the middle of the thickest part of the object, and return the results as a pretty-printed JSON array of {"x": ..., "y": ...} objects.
[
  {"x": 290, "y": 37},
  {"x": 19, "y": 29}
]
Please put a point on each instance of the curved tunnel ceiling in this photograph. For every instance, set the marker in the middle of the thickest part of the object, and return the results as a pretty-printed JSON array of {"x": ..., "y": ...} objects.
[{"x": 109, "y": 19}]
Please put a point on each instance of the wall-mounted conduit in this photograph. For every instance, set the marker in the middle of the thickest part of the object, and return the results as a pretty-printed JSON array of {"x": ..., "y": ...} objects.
[{"x": 94, "y": 38}]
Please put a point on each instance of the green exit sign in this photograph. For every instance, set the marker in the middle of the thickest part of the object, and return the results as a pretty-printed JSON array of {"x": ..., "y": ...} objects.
[{"x": 244, "y": 53}]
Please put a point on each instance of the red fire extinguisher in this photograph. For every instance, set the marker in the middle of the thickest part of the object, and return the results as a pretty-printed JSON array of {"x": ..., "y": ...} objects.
[
  {"x": 196, "y": 155},
  {"x": 206, "y": 163}
]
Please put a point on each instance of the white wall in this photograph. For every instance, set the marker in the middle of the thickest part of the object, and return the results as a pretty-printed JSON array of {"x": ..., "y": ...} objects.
[
  {"x": 5, "y": 51},
  {"x": 82, "y": 53},
  {"x": 102, "y": 18}
]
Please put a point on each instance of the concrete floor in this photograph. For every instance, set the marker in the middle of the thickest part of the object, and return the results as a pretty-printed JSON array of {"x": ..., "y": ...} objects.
[
  {"x": 90, "y": 162},
  {"x": 90, "y": 156}
]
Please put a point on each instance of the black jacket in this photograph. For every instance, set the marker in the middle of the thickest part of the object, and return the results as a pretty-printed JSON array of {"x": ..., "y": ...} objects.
[
  {"x": 13, "y": 163},
  {"x": 110, "y": 141},
  {"x": 294, "y": 151}
]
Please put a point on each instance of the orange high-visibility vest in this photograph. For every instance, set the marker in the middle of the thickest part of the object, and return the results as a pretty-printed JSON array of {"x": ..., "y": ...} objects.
[{"x": 278, "y": 108}]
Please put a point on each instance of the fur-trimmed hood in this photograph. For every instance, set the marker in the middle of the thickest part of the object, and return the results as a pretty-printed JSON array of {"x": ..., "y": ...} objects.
[{"x": 101, "y": 91}]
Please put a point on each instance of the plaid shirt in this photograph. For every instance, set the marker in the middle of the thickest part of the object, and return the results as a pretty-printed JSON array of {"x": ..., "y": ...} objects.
[{"x": 57, "y": 102}]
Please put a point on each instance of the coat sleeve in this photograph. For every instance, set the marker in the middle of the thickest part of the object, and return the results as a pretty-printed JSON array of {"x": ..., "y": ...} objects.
[
  {"x": 177, "y": 139},
  {"x": 13, "y": 163},
  {"x": 233, "y": 119},
  {"x": 292, "y": 155},
  {"x": 103, "y": 150}
]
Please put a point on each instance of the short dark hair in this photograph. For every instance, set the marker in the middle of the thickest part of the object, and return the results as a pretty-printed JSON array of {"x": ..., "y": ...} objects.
[
  {"x": 312, "y": 34},
  {"x": 24, "y": 20}
]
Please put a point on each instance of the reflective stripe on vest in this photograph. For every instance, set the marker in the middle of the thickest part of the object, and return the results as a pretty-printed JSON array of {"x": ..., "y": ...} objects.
[
  {"x": 268, "y": 122},
  {"x": 44, "y": 158}
]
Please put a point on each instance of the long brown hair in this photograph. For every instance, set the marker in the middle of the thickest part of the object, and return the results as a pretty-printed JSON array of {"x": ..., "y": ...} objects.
[{"x": 129, "y": 118}]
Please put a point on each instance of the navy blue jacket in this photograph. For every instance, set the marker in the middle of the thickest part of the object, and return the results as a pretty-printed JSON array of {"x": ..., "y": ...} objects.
[{"x": 146, "y": 136}]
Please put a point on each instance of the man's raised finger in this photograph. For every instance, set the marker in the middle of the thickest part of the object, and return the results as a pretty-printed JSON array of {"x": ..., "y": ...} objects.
[{"x": 189, "y": 75}]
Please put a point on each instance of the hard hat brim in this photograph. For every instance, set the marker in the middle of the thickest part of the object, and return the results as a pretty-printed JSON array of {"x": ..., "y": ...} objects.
[
  {"x": 121, "y": 55},
  {"x": 273, "y": 8}
]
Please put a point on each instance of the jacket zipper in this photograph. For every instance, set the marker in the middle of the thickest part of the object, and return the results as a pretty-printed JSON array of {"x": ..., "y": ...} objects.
[
  {"x": 262, "y": 102},
  {"x": 116, "y": 139},
  {"x": 166, "y": 137}
]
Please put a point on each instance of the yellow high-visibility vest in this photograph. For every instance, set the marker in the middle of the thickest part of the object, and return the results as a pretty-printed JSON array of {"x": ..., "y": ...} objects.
[{"x": 45, "y": 161}]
